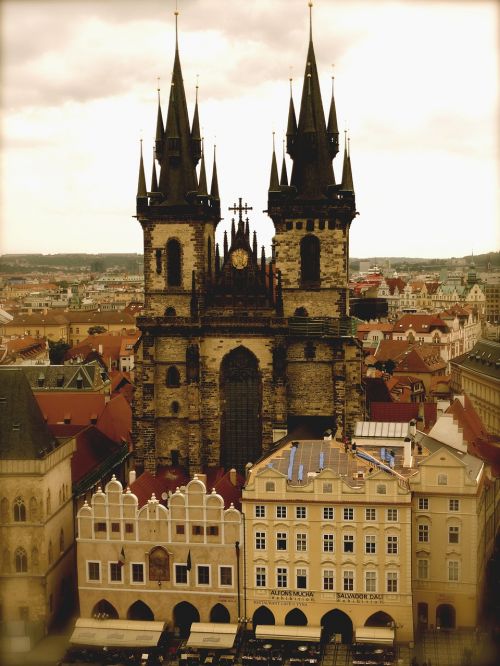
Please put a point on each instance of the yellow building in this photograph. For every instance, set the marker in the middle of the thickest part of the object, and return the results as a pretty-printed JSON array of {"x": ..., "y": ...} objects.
[
  {"x": 175, "y": 559},
  {"x": 446, "y": 494},
  {"x": 477, "y": 374},
  {"x": 52, "y": 325},
  {"x": 328, "y": 540},
  {"x": 79, "y": 322},
  {"x": 36, "y": 516}
]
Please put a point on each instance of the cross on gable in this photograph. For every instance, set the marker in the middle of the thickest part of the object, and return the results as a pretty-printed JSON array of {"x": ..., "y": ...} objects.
[{"x": 240, "y": 208}]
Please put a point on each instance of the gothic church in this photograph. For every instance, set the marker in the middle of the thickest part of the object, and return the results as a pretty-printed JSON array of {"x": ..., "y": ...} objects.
[{"x": 238, "y": 348}]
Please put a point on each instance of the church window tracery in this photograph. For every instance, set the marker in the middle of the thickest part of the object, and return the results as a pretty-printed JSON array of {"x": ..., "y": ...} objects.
[
  {"x": 19, "y": 510},
  {"x": 21, "y": 560}
]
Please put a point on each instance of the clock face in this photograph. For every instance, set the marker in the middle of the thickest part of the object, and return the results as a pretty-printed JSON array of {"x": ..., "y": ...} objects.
[{"x": 239, "y": 258}]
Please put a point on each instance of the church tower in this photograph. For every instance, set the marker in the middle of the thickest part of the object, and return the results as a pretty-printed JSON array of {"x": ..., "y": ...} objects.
[
  {"x": 312, "y": 216},
  {"x": 236, "y": 347}
]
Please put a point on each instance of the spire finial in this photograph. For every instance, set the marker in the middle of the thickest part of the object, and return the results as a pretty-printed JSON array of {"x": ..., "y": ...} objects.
[
  {"x": 158, "y": 88},
  {"x": 349, "y": 146},
  {"x": 274, "y": 147},
  {"x": 176, "y": 14},
  {"x": 333, "y": 77},
  {"x": 310, "y": 21},
  {"x": 197, "y": 86}
]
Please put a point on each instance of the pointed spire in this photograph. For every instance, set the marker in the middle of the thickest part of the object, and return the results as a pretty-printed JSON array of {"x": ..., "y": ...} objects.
[
  {"x": 347, "y": 183},
  {"x": 196, "y": 139},
  {"x": 332, "y": 128},
  {"x": 202, "y": 187},
  {"x": 159, "y": 131},
  {"x": 312, "y": 171},
  {"x": 254, "y": 245},
  {"x": 154, "y": 180},
  {"x": 178, "y": 165},
  {"x": 284, "y": 175},
  {"x": 274, "y": 184},
  {"x": 214, "y": 189},
  {"x": 247, "y": 229},
  {"x": 233, "y": 231},
  {"x": 291, "y": 129},
  {"x": 263, "y": 264},
  {"x": 226, "y": 249},
  {"x": 141, "y": 185}
]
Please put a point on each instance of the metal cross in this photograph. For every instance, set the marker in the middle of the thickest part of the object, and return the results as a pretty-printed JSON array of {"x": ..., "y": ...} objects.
[{"x": 240, "y": 208}]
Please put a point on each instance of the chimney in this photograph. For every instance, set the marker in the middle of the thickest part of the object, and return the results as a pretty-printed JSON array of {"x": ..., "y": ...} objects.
[
  {"x": 232, "y": 476},
  {"x": 407, "y": 449},
  {"x": 131, "y": 477}
]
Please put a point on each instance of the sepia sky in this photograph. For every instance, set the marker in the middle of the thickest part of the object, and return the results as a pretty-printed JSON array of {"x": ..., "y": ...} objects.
[{"x": 416, "y": 84}]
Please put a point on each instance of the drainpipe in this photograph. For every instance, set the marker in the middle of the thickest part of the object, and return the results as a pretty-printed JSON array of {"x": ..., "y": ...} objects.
[{"x": 237, "y": 549}]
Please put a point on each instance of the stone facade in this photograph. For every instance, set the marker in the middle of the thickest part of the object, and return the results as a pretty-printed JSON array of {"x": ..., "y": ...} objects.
[{"x": 235, "y": 346}]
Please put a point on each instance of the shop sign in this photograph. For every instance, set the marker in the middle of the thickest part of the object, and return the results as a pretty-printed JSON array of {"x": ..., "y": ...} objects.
[
  {"x": 360, "y": 597},
  {"x": 290, "y": 597}
]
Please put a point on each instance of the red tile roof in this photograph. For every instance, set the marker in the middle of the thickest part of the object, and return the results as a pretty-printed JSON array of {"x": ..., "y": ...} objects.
[
  {"x": 392, "y": 283},
  {"x": 391, "y": 349},
  {"x": 115, "y": 420},
  {"x": 420, "y": 359},
  {"x": 92, "y": 449},
  {"x": 420, "y": 323},
  {"x": 79, "y": 408},
  {"x": 400, "y": 412},
  {"x": 376, "y": 326}
]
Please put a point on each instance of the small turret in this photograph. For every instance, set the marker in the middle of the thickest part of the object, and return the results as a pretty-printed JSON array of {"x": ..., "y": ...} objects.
[
  {"x": 142, "y": 195},
  {"x": 284, "y": 175},
  {"x": 274, "y": 185},
  {"x": 291, "y": 130},
  {"x": 196, "y": 141},
  {"x": 214, "y": 188},
  {"x": 347, "y": 183},
  {"x": 154, "y": 180},
  {"x": 202, "y": 185},
  {"x": 159, "y": 133},
  {"x": 332, "y": 128}
]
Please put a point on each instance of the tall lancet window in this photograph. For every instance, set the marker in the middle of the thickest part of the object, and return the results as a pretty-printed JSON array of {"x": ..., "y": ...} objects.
[
  {"x": 173, "y": 263},
  {"x": 309, "y": 261}
]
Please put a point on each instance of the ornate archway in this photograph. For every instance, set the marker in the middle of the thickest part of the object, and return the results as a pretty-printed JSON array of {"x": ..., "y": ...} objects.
[
  {"x": 263, "y": 616},
  {"x": 240, "y": 391},
  {"x": 219, "y": 613},
  {"x": 184, "y": 616},
  {"x": 296, "y": 618},
  {"x": 337, "y": 622},
  {"x": 140, "y": 611}
]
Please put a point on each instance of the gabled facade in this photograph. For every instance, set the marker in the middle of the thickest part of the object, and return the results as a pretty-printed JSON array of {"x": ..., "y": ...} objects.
[{"x": 178, "y": 563}]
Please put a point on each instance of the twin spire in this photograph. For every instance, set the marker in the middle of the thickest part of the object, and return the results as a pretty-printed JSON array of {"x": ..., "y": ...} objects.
[{"x": 178, "y": 149}]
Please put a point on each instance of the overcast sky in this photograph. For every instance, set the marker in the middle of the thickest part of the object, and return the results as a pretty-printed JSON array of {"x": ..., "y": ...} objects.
[{"x": 416, "y": 84}]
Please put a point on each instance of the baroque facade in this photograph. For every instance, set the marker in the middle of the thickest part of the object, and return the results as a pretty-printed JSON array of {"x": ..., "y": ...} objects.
[{"x": 236, "y": 347}]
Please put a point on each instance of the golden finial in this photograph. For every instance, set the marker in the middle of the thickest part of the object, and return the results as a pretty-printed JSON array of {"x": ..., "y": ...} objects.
[
  {"x": 176, "y": 14},
  {"x": 310, "y": 19}
]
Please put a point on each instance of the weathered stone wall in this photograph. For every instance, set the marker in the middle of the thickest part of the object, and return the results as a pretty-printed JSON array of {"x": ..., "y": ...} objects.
[
  {"x": 329, "y": 299},
  {"x": 310, "y": 387}
]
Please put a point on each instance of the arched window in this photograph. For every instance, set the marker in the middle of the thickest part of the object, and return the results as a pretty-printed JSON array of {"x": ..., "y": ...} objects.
[
  {"x": 19, "y": 510},
  {"x": 159, "y": 564},
  {"x": 61, "y": 540},
  {"x": 173, "y": 263},
  {"x": 33, "y": 510},
  {"x": 4, "y": 510},
  {"x": 170, "y": 312},
  {"x": 21, "y": 560},
  {"x": 173, "y": 377},
  {"x": 310, "y": 261}
]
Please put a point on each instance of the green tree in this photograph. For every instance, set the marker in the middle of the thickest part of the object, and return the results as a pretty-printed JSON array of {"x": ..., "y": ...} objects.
[{"x": 96, "y": 329}]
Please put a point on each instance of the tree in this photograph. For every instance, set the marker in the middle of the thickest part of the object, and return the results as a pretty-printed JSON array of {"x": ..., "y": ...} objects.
[
  {"x": 96, "y": 329},
  {"x": 57, "y": 350}
]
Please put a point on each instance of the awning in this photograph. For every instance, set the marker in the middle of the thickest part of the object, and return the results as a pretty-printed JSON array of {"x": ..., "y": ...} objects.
[
  {"x": 116, "y": 633},
  {"x": 213, "y": 635},
  {"x": 381, "y": 635},
  {"x": 286, "y": 633}
]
